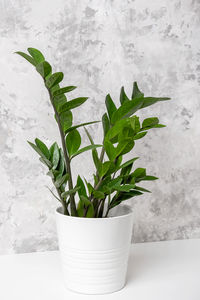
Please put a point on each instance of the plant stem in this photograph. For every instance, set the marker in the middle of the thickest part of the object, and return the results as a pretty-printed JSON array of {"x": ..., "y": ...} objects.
[
  {"x": 66, "y": 157},
  {"x": 65, "y": 210}
]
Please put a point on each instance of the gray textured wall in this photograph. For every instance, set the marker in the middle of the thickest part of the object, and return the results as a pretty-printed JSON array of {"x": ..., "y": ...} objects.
[{"x": 100, "y": 46}]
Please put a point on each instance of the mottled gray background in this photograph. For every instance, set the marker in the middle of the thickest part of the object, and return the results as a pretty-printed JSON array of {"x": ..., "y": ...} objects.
[{"x": 100, "y": 46}]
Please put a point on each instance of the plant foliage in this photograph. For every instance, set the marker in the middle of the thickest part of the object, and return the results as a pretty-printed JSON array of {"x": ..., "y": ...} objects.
[{"x": 114, "y": 181}]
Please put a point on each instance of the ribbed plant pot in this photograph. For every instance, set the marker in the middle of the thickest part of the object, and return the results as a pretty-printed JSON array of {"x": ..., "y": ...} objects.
[{"x": 94, "y": 251}]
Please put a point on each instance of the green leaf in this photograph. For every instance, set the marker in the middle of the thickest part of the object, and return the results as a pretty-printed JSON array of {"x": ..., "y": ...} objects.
[
  {"x": 44, "y": 68},
  {"x": 127, "y": 163},
  {"x": 150, "y": 122},
  {"x": 136, "y": 92},
  {"x": 111, "y": 108},
  {"x": 54, "y": 155},
  {"x": 60, "y": 181},
  {"x": 73, "y": 142},
  {"x": 27, "y": 57},
  {"x": 58, "y": 101},
  {"x": 139, "y": 135},
  {"x": 69, "y": 192},
  {"x": 47, "y": 162},
  {"x": 106, "y": 123},
  {"x": 123, "y": 96},
  {"x": 125, "y": 188},
  {"x": 84, "y": 204},
  {"x": 80, "y": 125},
  {"x": 64, "y": 90},
  {"x": 147, "y": 101},
  {"x": 53, "y": 174},
  {"x": 90, "y": 212},
  {"x": 124, "y": 146},
  {"x": 36, "y": 54},
  {"x": 82, "y": 190},
  {"x": 148, "y": 177},
  {"x": 117, "y": 128},
  {"x": 42, "y": 147},
  {"x": 98, "y": 195},
  {"x": 123, "y": 196},
  {"x": 96, "y": 160},
  {"x": 159, "y": 126},
  {"x": 110, "y": 149},
  {"x": 72, "y": 104},
  {"x": 139, "y": 173},
  {"x": 104, "y": 168},
  {"x": 66, "y": 120},
  {"x": 61, "y": 166},
  {"x": 90, "y": 147},
  {"x": 54, "y": 79},
  {"x": 135, "y": 124},
  {"x": 126, "y": 109},
  {"x": 141, "y": 189}
]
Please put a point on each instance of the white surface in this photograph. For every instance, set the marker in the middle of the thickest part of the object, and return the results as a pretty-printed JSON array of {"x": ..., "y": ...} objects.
[
  {"x": 157, "y": 271},
  {"x": 96, "y": 262}
]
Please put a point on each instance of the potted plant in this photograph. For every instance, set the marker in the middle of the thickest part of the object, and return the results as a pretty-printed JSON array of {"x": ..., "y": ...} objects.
[{"x": 94, "y": 225}]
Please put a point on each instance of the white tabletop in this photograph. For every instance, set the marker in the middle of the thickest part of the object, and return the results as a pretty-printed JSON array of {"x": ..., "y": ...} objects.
[{"x": 157, "y": 271}]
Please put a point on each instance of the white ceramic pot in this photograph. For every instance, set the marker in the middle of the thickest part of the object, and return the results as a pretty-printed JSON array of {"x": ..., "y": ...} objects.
[{"x": 94, "y": 251}]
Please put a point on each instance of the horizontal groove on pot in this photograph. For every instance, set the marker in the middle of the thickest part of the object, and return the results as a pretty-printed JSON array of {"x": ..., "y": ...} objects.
[{"x": 94, "y": 267}]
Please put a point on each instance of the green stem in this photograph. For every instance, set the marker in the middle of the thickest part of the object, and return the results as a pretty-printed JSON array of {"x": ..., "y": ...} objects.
[{"x": 66, "y": 157}]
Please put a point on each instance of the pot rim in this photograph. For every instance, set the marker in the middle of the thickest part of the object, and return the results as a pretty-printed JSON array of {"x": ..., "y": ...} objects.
[{"x": 128, "y": 207}]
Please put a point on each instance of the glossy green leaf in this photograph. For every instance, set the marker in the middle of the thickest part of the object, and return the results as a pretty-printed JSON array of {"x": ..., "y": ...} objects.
[
  {"x": 136, "y": 92},
  {"x": 98, "y": 194},
  {"x": 110, "y": 149},
  {"x": 150, "y": 122},
  {"x": 72, "y": 104},
  {"x": 58, "y": 101},
  {"x": 124, "y": 196},
  {"x": 135, "y": 124},
  {"x": 64, "y": 90},
  {"x": 148, "y": 177},
  {"x": 69, "y": 192},
  {"x": 117, "y": 128},
  {"x": 111, "y": 108},
  {"x": 147, "y": 101},
  {"x": 126, "y": 110},
  {"x": 27, "y": 57},
  {"x": 44, "y": 68},
  {"x": 43, "y": 148},
  {"x": 124, "y": 146},
  {"x": 127, "y": 163},
  {"x": 66, "y": 120},
  {"x": 85, "y": 205},
  {"x": 36, "y": 54},
  {"x": 104, "y": 168},
  {"x": 82, "y": 190},
  {"x": 96, "y": 160},
  {"x": 125, "y": 187},
  {"x": 54, "y": 155},
  {"x": 61, "y": 180},
  {"x": 80, "y": 125},
  {"x": 123, "y": 96},
  {"x": 139, "y": 173},
  {"x": 139, "y": 135},
  {"x": 61, "y": 166},
  {"x": 73, "y": 142},
  {"x": 47, "y": 162},
  {"x": 54, "y": 79},
  {"x": 84, "y": 149},
  {"x": 139, "y": 188},
  {"x": 105, "y": 123}
]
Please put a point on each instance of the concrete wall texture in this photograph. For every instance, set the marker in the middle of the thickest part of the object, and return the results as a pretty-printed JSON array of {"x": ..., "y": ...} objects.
[{"x": 100, "y": 46}]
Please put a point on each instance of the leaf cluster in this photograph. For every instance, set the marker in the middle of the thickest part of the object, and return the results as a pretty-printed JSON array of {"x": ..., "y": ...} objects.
[{"x": 114, "y": 180}]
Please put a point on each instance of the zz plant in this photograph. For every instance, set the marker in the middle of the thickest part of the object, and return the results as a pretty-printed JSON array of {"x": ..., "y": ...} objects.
[{"x": 114, "y": 180}]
